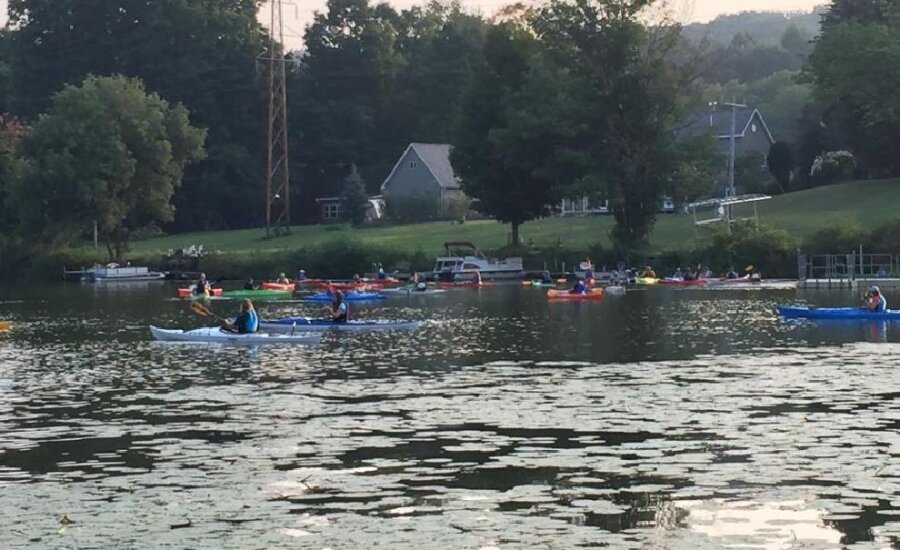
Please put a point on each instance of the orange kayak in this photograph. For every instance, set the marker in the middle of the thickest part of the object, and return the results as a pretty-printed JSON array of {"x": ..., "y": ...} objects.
[
  {"x": 277, "y": 286},
  {"x": 592, "y": 294},
  {"x": 187, "y": 292}
]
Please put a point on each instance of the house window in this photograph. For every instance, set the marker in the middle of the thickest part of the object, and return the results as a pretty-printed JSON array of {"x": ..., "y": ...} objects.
[
  {"x": 412, "y": 164},
  {"x": 331, "y": 211}
]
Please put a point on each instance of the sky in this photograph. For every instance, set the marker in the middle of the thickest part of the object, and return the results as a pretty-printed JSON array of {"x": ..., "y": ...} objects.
[{"x": 298, "y": 13}]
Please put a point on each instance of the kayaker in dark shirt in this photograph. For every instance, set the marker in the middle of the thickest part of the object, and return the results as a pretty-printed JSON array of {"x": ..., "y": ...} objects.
[
  {"x": 249, "y": 285},
  {"x": 732, "y": 274},
  {"x": 381, "y": 274},
  {"x": 245, "y": 323},
  {"x": 545, "y": 278},
  {"x": 339, "y": 311},
  {"x": 579, "y": 288},
  {"x": 201, "y": 287}
]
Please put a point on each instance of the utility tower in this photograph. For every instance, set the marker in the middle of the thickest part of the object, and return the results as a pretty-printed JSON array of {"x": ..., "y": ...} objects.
[{"x": 278, "y": 185}]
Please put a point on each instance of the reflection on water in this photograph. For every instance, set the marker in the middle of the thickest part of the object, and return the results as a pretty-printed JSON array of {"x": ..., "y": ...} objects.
[{"x": 661, "y": 418}]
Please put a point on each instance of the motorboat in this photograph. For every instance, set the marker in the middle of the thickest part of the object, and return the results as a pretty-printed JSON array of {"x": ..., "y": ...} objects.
[{"x": 463, "y": 260}]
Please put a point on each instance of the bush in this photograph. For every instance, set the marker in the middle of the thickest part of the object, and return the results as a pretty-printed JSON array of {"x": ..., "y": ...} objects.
[
  {"x": 832, "y": 167},
  {"x": 411, "y": 209},
  {"x": 844, "y": 236},
  {"x": 884, "y": 239},
  {"x": 772, "y": 252}
]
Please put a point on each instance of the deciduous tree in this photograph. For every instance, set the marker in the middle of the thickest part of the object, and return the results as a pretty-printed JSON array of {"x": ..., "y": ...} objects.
[{"x": 106, "y": 152}]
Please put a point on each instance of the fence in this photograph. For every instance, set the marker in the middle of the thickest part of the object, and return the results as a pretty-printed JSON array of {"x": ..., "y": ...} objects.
[{"x": 847, "y": 267}]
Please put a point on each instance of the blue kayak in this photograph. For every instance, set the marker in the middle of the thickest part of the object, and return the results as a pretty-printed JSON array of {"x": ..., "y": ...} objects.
[
  {"x": 348, "y": 296},
  {"x": 803, "y": 312}
]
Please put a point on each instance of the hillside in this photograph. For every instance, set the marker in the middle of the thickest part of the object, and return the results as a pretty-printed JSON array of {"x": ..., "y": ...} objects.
[
  {"x": 766, "y": 28},
  {"x": 801, "y": 213}
]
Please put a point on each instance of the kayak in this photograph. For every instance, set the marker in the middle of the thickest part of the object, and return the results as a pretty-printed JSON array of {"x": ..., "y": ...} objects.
[
  {"x": 352, "y": 296},
  {"x": 466, "y": 284},
  {"x": 343, "y": 286},
  {"x": 803, "y": 312},
  {"x": 257, "y": 294},
  {"x": 306, "y": 324},
  {"x": 681, "y": 282},
  {"x": 646, "y": 280},
  {"x": 217, "y": 335},
  {"x": 277, "y": 286},
  {"x": 189, "y": 293},
  {"x": 592, "y": 294},
  {"x": 411, "y": 291},
  {"x": 5, "y": 325}
]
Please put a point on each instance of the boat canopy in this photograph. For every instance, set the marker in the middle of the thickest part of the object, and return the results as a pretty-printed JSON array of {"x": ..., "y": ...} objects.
[{"x": 462, "y": 244}]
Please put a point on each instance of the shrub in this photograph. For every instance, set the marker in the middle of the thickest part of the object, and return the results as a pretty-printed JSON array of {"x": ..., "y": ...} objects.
[
  {"x": 845, "y": 235},
  {"x": 832, "y": 167},
  {"x": 771, "y": 251},
  {"x": 885, "y": 238}
]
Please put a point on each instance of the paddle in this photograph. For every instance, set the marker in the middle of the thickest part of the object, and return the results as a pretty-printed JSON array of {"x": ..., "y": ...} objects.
[{"x": 204, "y": 311}]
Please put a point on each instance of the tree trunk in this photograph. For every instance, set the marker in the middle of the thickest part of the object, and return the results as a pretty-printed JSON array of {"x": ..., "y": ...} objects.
[
  {"x": 515, "y": 233},
  {"x": 120, "y": 237}
]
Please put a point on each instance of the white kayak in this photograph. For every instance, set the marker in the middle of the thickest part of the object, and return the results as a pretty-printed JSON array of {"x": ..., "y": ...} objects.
[
  {"x": 219, "y": 336},
  {"x": 305, "y": 324}
]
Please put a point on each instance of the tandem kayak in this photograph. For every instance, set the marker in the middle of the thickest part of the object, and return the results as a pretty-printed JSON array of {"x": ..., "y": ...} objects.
[
  {"x": 189, "y": 293},
  {"x": 682, "y": 282},
  {"x": 803, "y": 312},
  {"x": 277, "y": 286},
  {"x": 288, "y": 324},
  {"x": 219, "y": 336},
  {"x": 592, "y": 294},
  {"x": 257, "y": 294},
  {"x": 352, "y": 296}
]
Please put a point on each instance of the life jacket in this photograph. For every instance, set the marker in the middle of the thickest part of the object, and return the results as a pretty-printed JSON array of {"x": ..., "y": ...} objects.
[
  {"x": 345, "y": 314},
  {"x": 248, "y": 322}
]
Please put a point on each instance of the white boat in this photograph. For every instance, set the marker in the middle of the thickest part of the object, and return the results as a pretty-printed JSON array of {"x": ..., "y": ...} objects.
[
  {"x": 113, "y": 273},
  {"x": 218, "y": 336},
  {"x": 468, "y": 260},
  {"x": 306, "y": 324}
]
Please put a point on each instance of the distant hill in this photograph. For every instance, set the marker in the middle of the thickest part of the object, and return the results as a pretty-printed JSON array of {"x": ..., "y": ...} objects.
[{"x": 766, "y": 28}]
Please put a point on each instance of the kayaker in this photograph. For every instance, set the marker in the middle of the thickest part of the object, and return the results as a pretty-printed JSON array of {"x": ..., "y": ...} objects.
[
  {"x": 689, "y": 275},
  {"x": 875, "y": 300},
  {"x": 579, "y": 288},
  {"x": 589, "y": 272},
  {"x": 732, "y": 274},
  {"x": 381, "y": 274},
  {"x": 249, "y": 285},
  {"x": 545, "y": 278},
  {"x": 679, "y": 274},
  {"x": 648, "y": 273},
  {"x": 705, "y": 273},
  {"x": 201, "y": 287},
  {"x": 339, "y": 311},
  {"x": 245, "y": 323},
  {"x": 282, "y": 279},
  {"x": 300, "y": 276}
]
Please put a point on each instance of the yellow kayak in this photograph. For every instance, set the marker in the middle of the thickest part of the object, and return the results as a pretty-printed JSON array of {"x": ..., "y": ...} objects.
[
  {"x": 646, "y": 280},
  {"x": 5, "y": 325}
]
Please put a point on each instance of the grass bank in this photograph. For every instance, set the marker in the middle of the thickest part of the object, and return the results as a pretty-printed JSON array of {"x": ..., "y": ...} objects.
[{"x": 870, "y": 203}]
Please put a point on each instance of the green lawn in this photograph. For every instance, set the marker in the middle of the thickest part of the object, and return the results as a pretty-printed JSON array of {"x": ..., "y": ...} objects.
[{"x": 868, "y": 202}]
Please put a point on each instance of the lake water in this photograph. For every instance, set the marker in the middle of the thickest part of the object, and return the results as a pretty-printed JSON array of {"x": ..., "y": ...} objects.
[{"x": 664, "y": 418}]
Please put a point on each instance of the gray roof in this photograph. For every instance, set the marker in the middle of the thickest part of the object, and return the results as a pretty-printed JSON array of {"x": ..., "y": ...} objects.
[
  {"x": 718, "y": 123},
  {"x": 436, "y": 157}
]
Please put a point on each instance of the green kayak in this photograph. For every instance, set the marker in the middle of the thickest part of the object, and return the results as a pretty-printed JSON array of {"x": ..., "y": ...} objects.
[{"x": 257, "y": 294}]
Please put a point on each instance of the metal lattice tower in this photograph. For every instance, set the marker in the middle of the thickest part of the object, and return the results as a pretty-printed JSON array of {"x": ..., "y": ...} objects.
[{"x": 278, "y": 186}]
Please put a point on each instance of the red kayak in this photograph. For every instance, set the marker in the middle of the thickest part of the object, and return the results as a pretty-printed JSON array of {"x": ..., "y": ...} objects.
[
  {"x": 187, "y": 292},
  {"x": 467, "y": 284},
  {"x": 682, "y": 282},
  {"x": 592, "y": 294},
  {"x": 277, "y": 286}
]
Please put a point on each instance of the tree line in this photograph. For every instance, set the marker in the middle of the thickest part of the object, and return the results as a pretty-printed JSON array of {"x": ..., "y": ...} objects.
[{"x": 572, "y": 97}]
